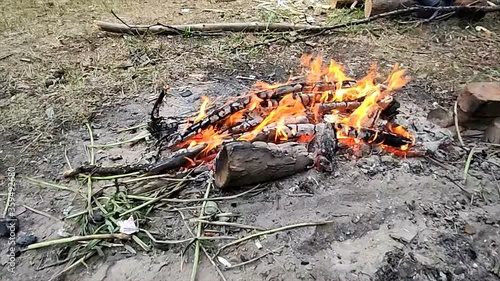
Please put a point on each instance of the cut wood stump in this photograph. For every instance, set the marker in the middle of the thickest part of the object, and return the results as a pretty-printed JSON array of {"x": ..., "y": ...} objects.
[
  {"x": 492, "y": 133},
  {"x": 243, "y": 163},
  {"x": 480, "y": 99}
]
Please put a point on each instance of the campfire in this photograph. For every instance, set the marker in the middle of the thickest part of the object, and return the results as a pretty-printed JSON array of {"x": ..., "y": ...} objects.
[
  {"x": 301, "y": 111},
  {"x": 276, "y": 130}
]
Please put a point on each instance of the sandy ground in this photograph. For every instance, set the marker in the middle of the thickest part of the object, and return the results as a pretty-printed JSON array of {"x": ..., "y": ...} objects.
[{"x": 394, "y": 219}]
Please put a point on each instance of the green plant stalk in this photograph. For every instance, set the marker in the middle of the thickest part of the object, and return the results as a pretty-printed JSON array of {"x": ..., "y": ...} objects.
[
  {"x": 467, "y": 164},
  {"x": 89, "y": 195},
  {"x": 48, "y": 184},
  {"x": 78, "y": 214},
  {"x": 152, "y": 201},
  {"x": 258, "y": 234},
  {"x": 134, "y": 139},
  {"x": 132, "y": 128},
  {"x": 92, "y": 156},
  {"x": 121, "y": 236},
  {"x": 198, "y": 235},
  {"x": 116, "y": 176}
]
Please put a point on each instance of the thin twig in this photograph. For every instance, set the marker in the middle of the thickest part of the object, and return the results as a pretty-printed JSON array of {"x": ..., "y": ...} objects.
[
  {"x": 139, "y": 137},
  {"x": 42, "y": 183},
  {"x": 41, "y": 213},
  {"x": 118, "y": 18},
  {"x": 67, "y": 159},
  {"x": 255, "y": 259},
  {"x": 455, "y": 111},
  {"x": 258, "y": 234},
  {"x": 231, "y": 224},
  {"x": 132, "y": 128}
]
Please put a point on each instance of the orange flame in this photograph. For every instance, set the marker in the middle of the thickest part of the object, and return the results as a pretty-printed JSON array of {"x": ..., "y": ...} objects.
[
  {"x": 203, "y": 108},
  {"x": 287, "y": 107}
]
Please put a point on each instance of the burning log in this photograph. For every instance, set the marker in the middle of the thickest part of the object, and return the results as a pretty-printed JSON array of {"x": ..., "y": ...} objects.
[
  {"x": 177, "y": 160},
  {"x": 243, "y": 163},
  {"x": 274, "y": 132},
  {"x": 276, "y": 93},
  {"x": 374, "y": 136},
  {"x": 342, "y": 105}
]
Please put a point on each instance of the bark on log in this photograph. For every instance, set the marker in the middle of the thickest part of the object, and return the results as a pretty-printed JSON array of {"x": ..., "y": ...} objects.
[{"x": 243, "y": 163}]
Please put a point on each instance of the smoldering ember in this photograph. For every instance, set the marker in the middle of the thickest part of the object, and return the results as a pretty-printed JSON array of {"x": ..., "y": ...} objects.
[{"x": 325, "y": 143}]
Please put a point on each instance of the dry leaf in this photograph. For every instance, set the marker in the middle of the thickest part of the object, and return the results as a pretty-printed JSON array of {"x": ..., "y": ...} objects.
[
  {"x": 224, "y": 262},
  {"x": 483, "y": 29}
]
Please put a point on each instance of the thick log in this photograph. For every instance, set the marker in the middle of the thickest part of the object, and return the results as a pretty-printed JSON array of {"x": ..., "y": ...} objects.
[
  {"x": 243, "y": 163},
  {"x": 175, "y": 161}
]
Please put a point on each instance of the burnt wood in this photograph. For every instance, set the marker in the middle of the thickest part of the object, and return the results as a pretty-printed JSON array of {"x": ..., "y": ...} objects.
[{"x": 175, "y": 161}]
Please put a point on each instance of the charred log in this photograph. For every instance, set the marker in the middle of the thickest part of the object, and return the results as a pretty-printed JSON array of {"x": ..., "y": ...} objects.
[
  {"x": 324, "y": 146},
  {"x": 175, "y": 161},
  {"x": 373, "y": 136},
  {"x": 243, "y": 163},
  {"x": 158, "y": 126}
]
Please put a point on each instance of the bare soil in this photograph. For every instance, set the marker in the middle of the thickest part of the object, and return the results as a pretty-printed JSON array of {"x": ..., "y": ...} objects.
[{"x": 394, "y": 219}]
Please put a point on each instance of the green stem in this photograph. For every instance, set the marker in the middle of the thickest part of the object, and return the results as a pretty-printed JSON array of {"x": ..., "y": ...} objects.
[
  {"x": 92, "y": 156},
  {"x": 198, "y": 235}
]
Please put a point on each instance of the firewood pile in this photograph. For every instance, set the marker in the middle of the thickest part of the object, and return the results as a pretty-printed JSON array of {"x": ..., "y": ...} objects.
[{"x": 277, "y": 130}]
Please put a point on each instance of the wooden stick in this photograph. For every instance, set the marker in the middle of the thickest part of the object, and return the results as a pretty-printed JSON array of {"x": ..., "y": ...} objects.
[
  {"x": 175, "y": 161},
  {"x": 211, "y": 28},
  {"x": 160, "y": 29}
]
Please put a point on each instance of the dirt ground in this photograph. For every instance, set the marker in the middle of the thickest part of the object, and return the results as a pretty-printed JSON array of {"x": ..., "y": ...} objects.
[{"x": 394, "y": 219}]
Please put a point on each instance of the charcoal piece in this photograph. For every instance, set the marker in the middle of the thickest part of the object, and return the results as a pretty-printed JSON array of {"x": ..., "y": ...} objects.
[{"x": 8, "y": 225}]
